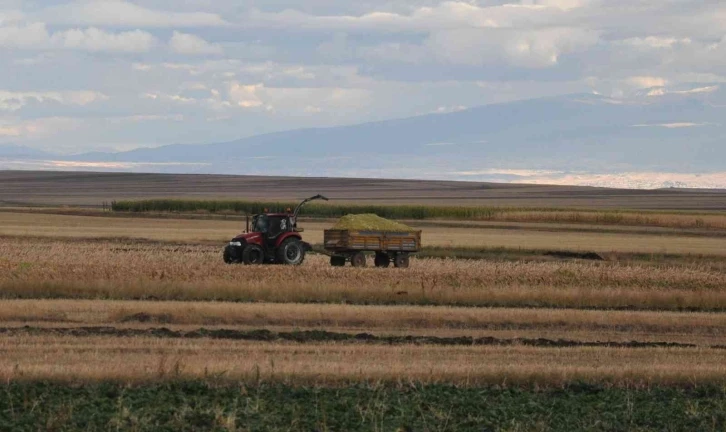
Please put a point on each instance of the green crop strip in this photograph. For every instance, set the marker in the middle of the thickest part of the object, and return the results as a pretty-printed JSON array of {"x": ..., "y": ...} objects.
[
  {"x": 413, "y": 212},
  {"x": 196, "y": 406}
]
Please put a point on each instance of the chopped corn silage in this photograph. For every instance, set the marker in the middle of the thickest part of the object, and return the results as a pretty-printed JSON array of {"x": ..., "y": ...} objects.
[{"x": 369, "y": 222}]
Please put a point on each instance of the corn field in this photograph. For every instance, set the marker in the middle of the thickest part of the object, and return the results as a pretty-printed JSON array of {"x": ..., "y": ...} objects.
[{"x": 419, "y": 212}]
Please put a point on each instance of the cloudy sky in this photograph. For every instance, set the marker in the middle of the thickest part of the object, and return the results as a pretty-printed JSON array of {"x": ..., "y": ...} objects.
[{"x": 115, "y": 75}]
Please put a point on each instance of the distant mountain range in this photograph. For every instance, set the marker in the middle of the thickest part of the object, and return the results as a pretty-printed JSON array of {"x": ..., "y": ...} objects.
[
  {"x": 13, "y": 151},
  {"x": 583, "y": 133}
]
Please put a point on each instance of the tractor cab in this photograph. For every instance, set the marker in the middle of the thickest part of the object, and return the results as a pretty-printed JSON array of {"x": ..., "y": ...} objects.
[
  {"x": 270, "y": 238},
  {"x": 272, "y": 224}
]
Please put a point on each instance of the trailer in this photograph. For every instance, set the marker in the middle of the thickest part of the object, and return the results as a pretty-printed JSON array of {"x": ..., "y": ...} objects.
[{"x": 389, "y": 247}]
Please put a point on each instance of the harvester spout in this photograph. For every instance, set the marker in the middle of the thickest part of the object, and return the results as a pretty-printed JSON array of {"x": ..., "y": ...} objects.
[{"x": 305, "y": 201}]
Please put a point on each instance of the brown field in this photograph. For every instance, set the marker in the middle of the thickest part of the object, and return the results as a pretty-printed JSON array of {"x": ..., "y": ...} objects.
[
  {"x": 219, "y": 231},
  {"x": 87, "y": 296},
  {"x": 37, "y": 268},
  {"x": 91, "y": 189},
  {"x": 703, "y": 329},
  {"x": 61, "y": 358}
]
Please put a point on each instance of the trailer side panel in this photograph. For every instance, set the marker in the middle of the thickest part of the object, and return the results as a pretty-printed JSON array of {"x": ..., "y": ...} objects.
[{"x": 348, "y": 240}]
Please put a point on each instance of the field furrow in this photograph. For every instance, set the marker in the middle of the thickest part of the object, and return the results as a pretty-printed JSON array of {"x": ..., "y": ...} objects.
[{"x": 703, "y": 329}]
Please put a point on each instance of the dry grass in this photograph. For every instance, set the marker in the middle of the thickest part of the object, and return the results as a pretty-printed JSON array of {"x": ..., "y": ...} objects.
[
  {"x": 206, "y": 231},
  {"x": 577, "y": 241},
  {"x": 616, "y": 326},
  {"x": 33, "y": 269},
  {"x": 80, "y": 227},
  {"x": 61, "y": 358},
  {"x": 622, "y": 218}
]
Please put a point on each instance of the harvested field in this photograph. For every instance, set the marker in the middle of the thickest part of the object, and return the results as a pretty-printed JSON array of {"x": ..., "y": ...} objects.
[
  {"x": 703, "y": 329},
  {"x": 590, "y": 319},
  {"x": 113, "y": 270},
  {"x": 143, "y": 359},
  {"x": 218, "y": 231}
]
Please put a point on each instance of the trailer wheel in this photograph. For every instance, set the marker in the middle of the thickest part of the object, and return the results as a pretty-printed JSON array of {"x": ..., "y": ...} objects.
[
  {"x": 401, "y": 261},
  {"x": 253, "y": 254},
  {"x": 337, "y": 261},
  {"x": 291, "y": 252},
  {"x": 358, "y": 259},
  {"x": 382, "y": 260}
]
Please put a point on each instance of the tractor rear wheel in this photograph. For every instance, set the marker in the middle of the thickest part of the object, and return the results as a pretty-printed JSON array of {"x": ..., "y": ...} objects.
[
  {"x": 253, "y": 254},
  {"x": 337, "y": 261},
  {"x": 401, "y": 261},
  {"x": 382, "y": 260},
  {"x": 358, "y": 259},
  {"x": 291, "y": 252}
]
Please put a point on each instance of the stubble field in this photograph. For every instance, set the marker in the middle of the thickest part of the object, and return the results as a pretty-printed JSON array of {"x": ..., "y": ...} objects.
[{"x": 113, "y": 311}]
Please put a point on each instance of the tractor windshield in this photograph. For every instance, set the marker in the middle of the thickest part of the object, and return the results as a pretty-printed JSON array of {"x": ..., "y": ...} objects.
[{"x": 260, "y": 224}]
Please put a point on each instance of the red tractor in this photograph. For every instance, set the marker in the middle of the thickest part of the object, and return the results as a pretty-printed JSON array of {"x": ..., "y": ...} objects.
[{"x": 272, "y": 238}]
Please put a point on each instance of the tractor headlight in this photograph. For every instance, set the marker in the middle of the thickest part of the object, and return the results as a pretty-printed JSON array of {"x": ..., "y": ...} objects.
[{"x": 235, "y": 243}]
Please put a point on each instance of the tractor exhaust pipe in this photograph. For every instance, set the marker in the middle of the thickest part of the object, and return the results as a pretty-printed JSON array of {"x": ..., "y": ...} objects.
[{"x": 247, "y": 219}]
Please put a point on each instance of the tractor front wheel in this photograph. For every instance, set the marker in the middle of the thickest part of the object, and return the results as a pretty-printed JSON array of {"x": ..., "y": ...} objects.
[
  {"x": 291, "y": 252},
  {"x": 253, "y": 254},
  {"x": 229, "y": 256}
]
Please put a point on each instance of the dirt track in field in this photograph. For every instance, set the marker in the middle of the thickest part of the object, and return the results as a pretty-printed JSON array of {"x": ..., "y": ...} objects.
[{"x": 317, "y": 336}]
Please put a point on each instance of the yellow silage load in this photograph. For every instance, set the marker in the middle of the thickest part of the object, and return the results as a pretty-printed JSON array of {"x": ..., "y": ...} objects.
[{"x": 369, "y": 222}]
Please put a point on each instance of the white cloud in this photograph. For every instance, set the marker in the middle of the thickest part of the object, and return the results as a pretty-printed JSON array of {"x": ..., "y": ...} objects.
[
  {"x": 176, "y": 98},
  {"x": 145, "y": 118},
  {"x": 141, "y": 67},
  {"x": 36, "y": 36},
  {"x": 93, "y": 39},
  {"x": 38, "y": 128},
  {"x": 530, "y": 49},
  {"x": 647, "y": 81},
  {"x": 184, "y": 43},
  {"x": 446, "y": 15},
  {"x": 8, "y": 17},
  {"x": 656, "y": 42},
  {"x": 394, "y": 52},
  {"x": 13, "y": 101},
  {"x": 708, "y": 89},
  {"x": 675, "y": 125},
  {"x": 32, "y": 35},
  {"x": 561, "y": 4},
  {"x": 298, "y": 72},
  {"x": 125, "y": 14},
  {"x": 296, "y": 99},
  {"x": 661, "y": 91},
  {"x": 449, "y": 109},
  {"x": 245, "y": 96},
  {"x": 506, "y": 171}
]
